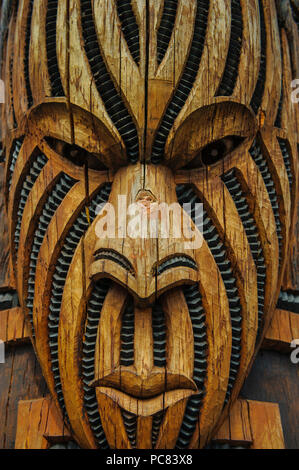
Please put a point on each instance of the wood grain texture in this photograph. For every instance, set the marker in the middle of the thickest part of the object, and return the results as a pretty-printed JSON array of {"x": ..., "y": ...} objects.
[
  {"x": 236, "y": 429},
  {"x": 4, "y": 247},
  {"x": 145, "y": 341},
  {"x": 13, "y": 328},
  {"x": 39, "y": 424},
  {"x": 266, "y": 426},
  {"x": 21, "y": 379},
  {"x": 252, "y": 424},
  {"x": 273, "y": 378},
  {"x": 284, "y": 329}
]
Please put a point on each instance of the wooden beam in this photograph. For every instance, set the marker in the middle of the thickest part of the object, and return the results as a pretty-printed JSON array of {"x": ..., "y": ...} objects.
[
  {"x": 283, "y": 329},
  {"x": 13, "y": 328},
  {"x": 266, "y": 425},
  {"x": 252, "y": 424},
  {"x": 39, "y": 425},
  {"x": 236, "y": 428}
]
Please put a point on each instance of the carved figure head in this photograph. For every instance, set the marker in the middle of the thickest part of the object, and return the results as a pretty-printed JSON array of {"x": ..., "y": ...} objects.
[{"x": 146, "y": 341}]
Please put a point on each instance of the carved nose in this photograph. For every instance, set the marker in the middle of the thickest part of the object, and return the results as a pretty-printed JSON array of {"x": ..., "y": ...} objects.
[
  {"x": 145, "y": 265},
  {"x": 145, "y": 197}
]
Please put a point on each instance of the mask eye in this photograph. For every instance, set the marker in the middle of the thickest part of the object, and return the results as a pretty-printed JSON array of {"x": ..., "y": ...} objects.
[
  {"x": 75, "y": 154},
  {"x": 214, "y": 152}
]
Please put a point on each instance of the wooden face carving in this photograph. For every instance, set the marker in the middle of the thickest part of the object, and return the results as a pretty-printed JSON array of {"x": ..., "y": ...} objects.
[{"x": 145, "y": 342}]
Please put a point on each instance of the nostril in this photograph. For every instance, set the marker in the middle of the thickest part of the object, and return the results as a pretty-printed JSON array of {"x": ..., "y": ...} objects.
[
  {"x": 116, "y": 258},
  {"x": 174, "y": 262}
]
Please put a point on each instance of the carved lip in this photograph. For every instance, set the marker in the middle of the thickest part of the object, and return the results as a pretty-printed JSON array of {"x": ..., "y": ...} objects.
[
  {"x": 147, "y": 407},
  {"x": 156, "y": 383}
]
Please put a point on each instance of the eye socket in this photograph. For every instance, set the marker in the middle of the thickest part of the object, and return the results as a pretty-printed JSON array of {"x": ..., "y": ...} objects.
[
  {"x": 214, "y": 152},
  {"x": 75, "y": 154}
]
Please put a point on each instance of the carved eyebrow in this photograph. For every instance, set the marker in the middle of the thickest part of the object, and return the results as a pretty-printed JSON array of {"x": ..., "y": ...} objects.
[
  {"x": 116, "y": 258},
  {"x": 174, "y": 262}
]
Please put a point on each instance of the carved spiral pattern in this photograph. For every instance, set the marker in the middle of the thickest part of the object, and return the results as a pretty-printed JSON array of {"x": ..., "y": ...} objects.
[
  {"x": 197, "y": 314},
  {"x": 260, "y": 86},
  {"x": 129, "y": 28},
  {"x": 89, "y": 345},
  {"x": 261, "y": 162},
  {"x": 26, "y": 59},
  {"x": 186, "y": 82},
  {"x": 34, "y": 172},
  {"x": 60, "y": 190},
  {"x": 166, "y": 28},
  {"x": 111, "y": 98},
  {"x": 72, "y": 240},
  {"x": 284, "y": 147},
  {"x": 53, "y": 69},
  {"x": 127, "y": 335},
  {"x": 186, "y": 194},
  {"x": 230, "y": 75},
  {"x": 15, "y": 150},
  {"x": 250, "y": 226}
]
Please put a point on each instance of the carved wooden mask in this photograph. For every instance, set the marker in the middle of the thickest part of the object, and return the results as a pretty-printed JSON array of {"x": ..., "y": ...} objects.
[{"x": 145, "y": 343}]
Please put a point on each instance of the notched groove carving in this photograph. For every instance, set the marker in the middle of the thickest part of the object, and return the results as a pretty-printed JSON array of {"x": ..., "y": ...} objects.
[
  {"x": 186, "y": 194},
  {"x": 113, "y": 102},
  {"x": 71, "y": 242},
  {"x": 34, "y": 171},
  {"x": 156, "y": 426},
  {"x": 130, "y": 422},
  {"x": 278, "y": 121},
  {"x": 159, "y": 335},
  {"x": 286, "y": 154},
  {"x": 26, "y": 54},
  {"x": 11, "y": 63},
  {"x": 174, "y": 262},
  {"x": 8, "y": 299},
  {"x": 198, "y": 319},
  {"x": 260, "y": 85},
  {"x": 94, "y": 309},
  {"x": 239, "y": 197},
  {"x": 186, "y": 83},
  {"x": 58, "y": 193},
  {"x": 14, "y": 154},
  {"x": 129, "y": 28},
  {"x": 166, "y": 28},
  {"x": 231, "y": 70},
  {"x": 289, "y": 300},
  {"x": 53, "y": 69},
  {"x": 127, "y": 335},
  {"x": 256, "y": 153},
  {"x": 116, "y": 258}
]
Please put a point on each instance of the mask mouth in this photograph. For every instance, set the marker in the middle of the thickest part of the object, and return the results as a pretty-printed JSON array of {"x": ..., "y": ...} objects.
[
  {"x": 146, "y": 407},
  {"x": 150, "y": 376},
  {"x": 158, "y": 382}
]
